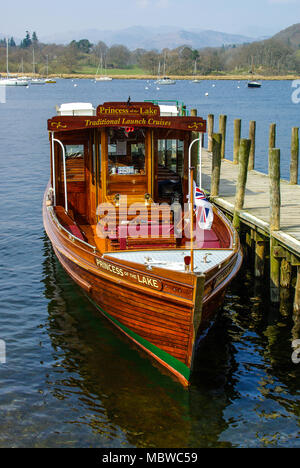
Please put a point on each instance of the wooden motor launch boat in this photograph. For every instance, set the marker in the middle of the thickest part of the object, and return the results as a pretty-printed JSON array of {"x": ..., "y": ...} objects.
[{"x": 133, "y": 230}]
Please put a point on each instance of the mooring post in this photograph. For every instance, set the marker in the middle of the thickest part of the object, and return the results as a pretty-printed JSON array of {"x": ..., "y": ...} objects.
[
  {"x": 272, "y": 136},
  {"x": 241, "y": 181},
  {"x": 297, "y": 292},
  {"x": 252, "y": 132},
  {"x": 274, "y": 176},
  {"x": 294, "y": 156},
  {"x": 210, "y": 131},
  {"x": 285, "y": 273},
  {"x": 274, "y": 271},
  {"x": 222, "y": 130},
  {"x": 216, "y": 164},
  {"x": 259, "y": 259},
  {"x": 236, "y": 139}
]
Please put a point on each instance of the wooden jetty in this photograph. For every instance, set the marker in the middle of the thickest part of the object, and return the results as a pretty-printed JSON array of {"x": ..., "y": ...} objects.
[{"x": 264, "y": 208}]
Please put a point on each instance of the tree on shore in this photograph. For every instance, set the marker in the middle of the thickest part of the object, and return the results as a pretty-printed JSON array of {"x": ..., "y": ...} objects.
[
  {"x": 34, "y": 38},
  {"x": 26, "y": 42}
]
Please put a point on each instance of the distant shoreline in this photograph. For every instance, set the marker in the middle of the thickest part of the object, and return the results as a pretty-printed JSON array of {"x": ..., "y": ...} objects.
[
  {"x": 187, "y": 78},
  {"x": 174, "y": 77}
]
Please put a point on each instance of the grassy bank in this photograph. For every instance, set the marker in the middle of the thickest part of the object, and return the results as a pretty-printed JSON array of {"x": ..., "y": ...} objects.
[
  {"x": 141, "y": 76},
  {"x": 138, "y": 75}
]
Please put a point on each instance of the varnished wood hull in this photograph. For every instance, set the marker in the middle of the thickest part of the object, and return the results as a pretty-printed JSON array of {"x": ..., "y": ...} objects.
[{"x": 161, "y": 320}]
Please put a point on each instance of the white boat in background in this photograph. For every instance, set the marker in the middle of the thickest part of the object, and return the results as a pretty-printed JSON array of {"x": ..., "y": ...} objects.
[
  {"x": 22, "y": 81},
  {"x": 254, "y": 84},
  {"x": 11, "y": 81},
  {"x": 36, "y": 81},
  {"x": 195, "y": 80},
  {"x": 8, "y": 82},
  {"x": 48, "y": 80},
  {"x": 164, "y": 80},
  {"x": 102, "y": 76}
]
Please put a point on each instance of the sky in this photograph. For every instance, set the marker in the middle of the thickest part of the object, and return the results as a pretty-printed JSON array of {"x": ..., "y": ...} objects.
[{"x": 254, "y": 18}]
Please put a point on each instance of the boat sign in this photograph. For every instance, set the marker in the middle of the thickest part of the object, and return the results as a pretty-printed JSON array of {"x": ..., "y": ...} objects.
[{"x": 129, "y": 275}]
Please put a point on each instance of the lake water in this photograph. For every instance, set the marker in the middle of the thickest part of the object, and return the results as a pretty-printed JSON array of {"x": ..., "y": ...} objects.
[{"x": 70, "y": 379}]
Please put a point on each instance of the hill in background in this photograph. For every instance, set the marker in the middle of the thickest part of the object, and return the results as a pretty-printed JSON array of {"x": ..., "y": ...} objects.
[
  {"x": 290, "y": 36},
  {"x": 156, "y": 38}
]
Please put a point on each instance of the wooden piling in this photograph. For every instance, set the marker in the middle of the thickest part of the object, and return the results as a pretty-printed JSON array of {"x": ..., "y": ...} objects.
[
  {"x": 294, "y": 156},
  {"x": 222, "y": 130},
  {"x": 297, "y": 292},
  {"x": 274, "y": 272},
  {"x": 216, "y": 164},
  {"x": 210, "y": 131},
  {"x": 272, "y": 136},
  {"x": 236, "y": 140},
  {"x": 259, "y": 258},
  {"x": 241, "y": 181},
  {"x": 285, "y": 273},
  {"x": 252, "y": 132},
  {"x": 274, "y": 176}
]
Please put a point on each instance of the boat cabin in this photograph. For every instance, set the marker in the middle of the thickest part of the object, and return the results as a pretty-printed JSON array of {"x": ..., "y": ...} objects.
[{"x": 137, "y": 150}]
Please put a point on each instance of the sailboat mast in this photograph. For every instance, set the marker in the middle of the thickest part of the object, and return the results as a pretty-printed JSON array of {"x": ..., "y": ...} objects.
[
  {"x": 33, "y": 62},
  {"x": 7, "y": 72}
]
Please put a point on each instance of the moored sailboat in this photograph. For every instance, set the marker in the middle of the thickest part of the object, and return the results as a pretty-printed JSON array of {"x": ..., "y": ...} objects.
[
  {"x": 11, "y": 81},
  {"x": 102, "y": 76},
  {"x": 195, "y": 80},
  {"x": 164, "y": 80},
  {"x": 127, "y": 225},
  {"x": 35, "y": 80}
]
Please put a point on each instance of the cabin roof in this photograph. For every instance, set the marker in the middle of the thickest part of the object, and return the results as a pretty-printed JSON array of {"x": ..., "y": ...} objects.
[
  {"x": 73, "y": 116},
  {"x": 76, "y": 108},
  {"x": 166, "y": 110}
]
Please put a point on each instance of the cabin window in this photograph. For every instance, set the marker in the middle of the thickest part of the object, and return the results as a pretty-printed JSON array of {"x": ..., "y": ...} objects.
[
  {"x": 170, "y": 169},
  {"x": 170, "y": 155},
  {"x": 96, "y": 162},
  {"x": 75, "y": 162},
  {"x": 74, "y": 151},
  {"x": 126, "y": 151}
]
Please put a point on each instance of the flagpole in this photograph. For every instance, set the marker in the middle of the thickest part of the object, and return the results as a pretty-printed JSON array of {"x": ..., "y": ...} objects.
[
  {"x": 190, "y": 163},
  {"x": 199, "y": 171},
  {"x": 191, "y": 220},
  {"x": 191, "y": 199}
]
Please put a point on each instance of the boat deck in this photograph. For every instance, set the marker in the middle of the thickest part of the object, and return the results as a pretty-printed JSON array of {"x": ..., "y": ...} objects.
[{"x": 204, "y": 259}]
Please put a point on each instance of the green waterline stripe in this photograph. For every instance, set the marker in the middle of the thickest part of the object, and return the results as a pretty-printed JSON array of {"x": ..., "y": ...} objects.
[{"x": 163, "y": 355}]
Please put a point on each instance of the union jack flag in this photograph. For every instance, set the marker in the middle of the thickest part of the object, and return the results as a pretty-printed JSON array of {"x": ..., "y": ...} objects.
[
  {"x": 201, "y": 215},
  {"x": 199, "y": 194}
]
